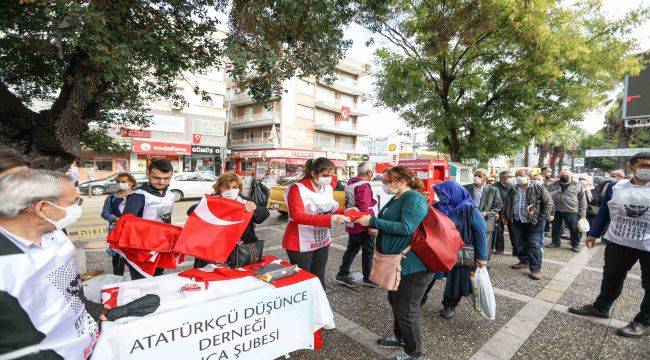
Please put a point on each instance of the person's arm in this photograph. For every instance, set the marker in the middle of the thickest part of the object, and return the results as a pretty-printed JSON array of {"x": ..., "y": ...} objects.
[
  {"x": 297, "y": 211},
  {"x": 479, "y": 236},
  {"x": 601, "y": 221},
  {"x": 134, "y": 204},
  {"x": 547, "y": 206},
  {"x": 582, "y": 203},
  {"x": 107, "y": 212},
  {"x": 413, "y": 212},
  {"x": 497, "y": 204}
]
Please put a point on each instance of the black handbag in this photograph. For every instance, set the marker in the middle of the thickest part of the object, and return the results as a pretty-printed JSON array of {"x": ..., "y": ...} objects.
[
  {"x": 465, "y": 256},
  {"x": 246, "y": 254}
]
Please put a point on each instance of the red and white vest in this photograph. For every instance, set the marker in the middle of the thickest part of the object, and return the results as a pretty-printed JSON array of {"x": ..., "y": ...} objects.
[{"x": 316, "y": 203}]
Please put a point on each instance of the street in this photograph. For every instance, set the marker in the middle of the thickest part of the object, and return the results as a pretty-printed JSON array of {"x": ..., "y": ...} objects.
[{"x": 532, "y": 320}]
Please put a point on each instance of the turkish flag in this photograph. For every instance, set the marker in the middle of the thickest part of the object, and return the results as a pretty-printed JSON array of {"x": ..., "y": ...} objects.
[
  {"x": 213, "y": 230},
  {"x": 345, "y": 113},
  {"x": 196, "y": 139}
]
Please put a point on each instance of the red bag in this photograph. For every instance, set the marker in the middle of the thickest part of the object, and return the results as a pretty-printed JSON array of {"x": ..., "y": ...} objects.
[{"x": 437, "y": 242}]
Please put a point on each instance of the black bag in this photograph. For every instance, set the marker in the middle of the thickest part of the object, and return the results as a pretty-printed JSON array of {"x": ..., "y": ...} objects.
[
  {"x": 246, "y": 254},
  {"x": 259, "y": 193}
]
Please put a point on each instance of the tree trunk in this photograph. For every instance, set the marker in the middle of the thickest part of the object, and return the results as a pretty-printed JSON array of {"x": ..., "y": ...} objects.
[
  {"x": 554, "y": 154},
  {"x": 560, "y": 160},
  {"x": 453, "y": 146},
  {"x": 526, "y": 156},
  {"x": 541, "y": 155}
]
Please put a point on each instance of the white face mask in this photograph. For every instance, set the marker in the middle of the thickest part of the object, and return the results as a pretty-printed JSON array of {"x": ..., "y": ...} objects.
[
  {"x": 537, "y": 182},
  {"x": 325, "y": 180},
  {"x": 72, "y": 214},
  {"x": 388, "y": 190},
  {"x": 124, "y": 186},
  {"x": 230, "y": 194},
  {"x": 643, "y": 174},
  {"x": 522, "y": 180},
  {"x": 478, "y": 180},
  {"x": 512, "y": 181}
]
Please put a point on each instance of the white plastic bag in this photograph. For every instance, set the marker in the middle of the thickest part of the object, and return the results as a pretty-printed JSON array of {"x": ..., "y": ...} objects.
[
  {"x": 482, "y": 294},
  {"x": 583, "y": 225}
]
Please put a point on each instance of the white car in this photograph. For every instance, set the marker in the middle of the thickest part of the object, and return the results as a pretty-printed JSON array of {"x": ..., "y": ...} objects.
[{"x": 186, "y": 185}]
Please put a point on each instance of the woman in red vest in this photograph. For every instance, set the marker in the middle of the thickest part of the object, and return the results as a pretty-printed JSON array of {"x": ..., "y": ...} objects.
[{"x": 312, "y": 212}]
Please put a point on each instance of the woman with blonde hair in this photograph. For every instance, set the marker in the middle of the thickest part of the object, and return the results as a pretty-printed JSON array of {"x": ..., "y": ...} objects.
[{"x": 229, "y": 186}]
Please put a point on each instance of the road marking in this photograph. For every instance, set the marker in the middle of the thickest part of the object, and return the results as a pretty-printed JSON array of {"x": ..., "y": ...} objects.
[
  {"x": 509, "y": 339},
  {"x": 589, "y": 268}
]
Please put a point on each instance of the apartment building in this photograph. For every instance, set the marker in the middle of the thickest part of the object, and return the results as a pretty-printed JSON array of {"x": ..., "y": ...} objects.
[{"x": 309, "y": 120}]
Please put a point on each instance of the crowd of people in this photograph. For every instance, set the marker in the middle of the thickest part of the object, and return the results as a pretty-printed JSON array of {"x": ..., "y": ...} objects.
[{"x": 38, "y": 205}]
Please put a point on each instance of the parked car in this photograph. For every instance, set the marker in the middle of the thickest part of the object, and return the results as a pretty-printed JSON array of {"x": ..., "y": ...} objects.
[
  {"x": 186, "y": 185},
  {"x": 108, "y": 185}
]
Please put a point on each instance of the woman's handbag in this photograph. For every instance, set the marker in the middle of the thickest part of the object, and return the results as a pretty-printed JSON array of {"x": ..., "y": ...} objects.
[
  {"x": 246, "y": 254},
  {"x": 387, "y": 269},
  {"x": 465, "y": 256}
]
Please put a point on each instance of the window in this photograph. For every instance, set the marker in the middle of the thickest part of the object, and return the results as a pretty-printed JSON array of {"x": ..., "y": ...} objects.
[
  {"x": 266, "y": 134},
  {"x": 305, "y": 87},
  {"x": 209, "y": 127},
  {"x": 104, "y": 164},
  {"x": 326, "y": 95},
  {"x": 215, "y": 101},
  {"x": 248, "y": 135},
  {"x": 347, "y": 100},
  {"x": 325, "y": 117},
  {"x": 346, "y": 140},
  {"x": 304, "y": 112},
  {"x": 248, "y": 112},
  {"x": 325, "y": 140}
]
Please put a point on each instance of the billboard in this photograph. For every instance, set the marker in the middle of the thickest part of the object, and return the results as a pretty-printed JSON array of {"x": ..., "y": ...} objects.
[{"x": 636, "y": 104}]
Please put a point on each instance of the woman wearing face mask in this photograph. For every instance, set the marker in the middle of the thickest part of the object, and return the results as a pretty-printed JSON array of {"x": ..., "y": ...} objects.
[
  {"x": 456, "y": 202},
  {"x": 396, "y": 223},
  {"x": 229, "y": 186},
  {"x": 312, "y": 212},
  {"x": 111, "y": 212}
]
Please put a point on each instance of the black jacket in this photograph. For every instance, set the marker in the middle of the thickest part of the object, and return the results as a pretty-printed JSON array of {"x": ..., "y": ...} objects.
[
  {"x": 259, "y": 215},
  {"x": 538, "y": 197}
]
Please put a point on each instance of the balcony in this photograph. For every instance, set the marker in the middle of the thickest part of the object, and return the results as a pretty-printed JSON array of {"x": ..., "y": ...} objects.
[
  {"x": 254, "y": 143},
  {"x": 340, "y": 127},
  {"x": 352, "y": 66},
  {"x": 346, "y": 85},
  {"x": 242, "y": 98},
  {"x": 346, "y": 148},
  {"x": 336, "y": 106},
  {"x": 267, "y": 118}
]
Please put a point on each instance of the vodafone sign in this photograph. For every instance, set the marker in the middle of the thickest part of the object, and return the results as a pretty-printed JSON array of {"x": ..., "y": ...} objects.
[{"x": 161, "y": 148}]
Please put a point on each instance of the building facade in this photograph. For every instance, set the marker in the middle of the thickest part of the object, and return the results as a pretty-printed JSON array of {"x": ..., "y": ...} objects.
[{"x": 311, "y": 119}]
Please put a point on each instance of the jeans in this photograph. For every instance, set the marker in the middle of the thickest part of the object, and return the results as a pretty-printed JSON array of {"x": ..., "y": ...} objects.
[
  {"x": 405, "y": 303},
  {"x": 312, "y": 261},
  {"x": 619, "y": 260},
  {"x": 529, "y": 243},
  {"x": 571, "y": 220},
  {"x": 362, "y": 241}
]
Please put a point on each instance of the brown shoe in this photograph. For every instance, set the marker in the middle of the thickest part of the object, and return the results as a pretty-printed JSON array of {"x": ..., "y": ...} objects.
[
  {"x": 519, "y": 265},
  {"x": 535, "y": 275}
]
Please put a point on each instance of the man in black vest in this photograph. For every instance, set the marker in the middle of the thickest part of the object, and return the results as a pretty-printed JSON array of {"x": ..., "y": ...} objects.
[{"x": 489, "y": 203}]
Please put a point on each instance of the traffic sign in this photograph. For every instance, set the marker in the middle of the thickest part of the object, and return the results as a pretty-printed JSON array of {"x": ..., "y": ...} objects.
[{"x": 637, "y": 123}]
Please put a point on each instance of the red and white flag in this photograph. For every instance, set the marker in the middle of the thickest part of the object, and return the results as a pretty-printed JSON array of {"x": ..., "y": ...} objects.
[{"x": 213, "y": 230}]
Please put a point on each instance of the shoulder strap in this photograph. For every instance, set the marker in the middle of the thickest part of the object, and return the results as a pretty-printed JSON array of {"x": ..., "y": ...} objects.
[
  {"x": 7, "y": 247},
  {"x": 406, "y": 250}
]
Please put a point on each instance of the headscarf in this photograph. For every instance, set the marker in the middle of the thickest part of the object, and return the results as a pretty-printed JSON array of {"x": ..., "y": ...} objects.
[{"x": 454, "y": 197}]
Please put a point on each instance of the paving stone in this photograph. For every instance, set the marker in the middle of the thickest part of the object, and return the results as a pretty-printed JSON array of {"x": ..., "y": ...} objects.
[
  {"x": 579, "y": 339},
  {"x": 557, "y": 285},
  {"x": 517, "y": 280},
  {"x": 549, "y": 295},
  {"x": 337, "y": 346},
  {"x": 598, "y": 261}
]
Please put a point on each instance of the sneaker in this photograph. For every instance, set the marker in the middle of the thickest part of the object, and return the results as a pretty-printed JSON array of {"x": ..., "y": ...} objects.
[
  {"x": 552, "y": 246},
  {"x": 589, "y": 310},
  {"x": 370, "y": 283},
  {"x": 634, "y": 330},
  {"x": 346, "y": 281},
  {"x": 447, "y": 312},
  {"x": 575, "y": 248},
  {"x": 405, "y": 356},
  {"x": 519, "y": 265},
  {"x": 535, "y": 275},
  {"x": 390, "y": 342}
]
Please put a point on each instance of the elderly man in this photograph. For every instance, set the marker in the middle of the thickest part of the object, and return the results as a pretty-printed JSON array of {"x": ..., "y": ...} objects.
[
  {"x": 489, "y": 204},
  {"x": 527, "y": 208},
  {"x": 503, "y": 185},
  {"x": 358, "y": 194},
  {"x": 43, "y": 310},
  {"x": 570, "y": 204}
]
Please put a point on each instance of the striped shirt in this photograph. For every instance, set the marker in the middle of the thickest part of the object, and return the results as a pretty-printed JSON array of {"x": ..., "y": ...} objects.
[{"x": 520, "y": 212}]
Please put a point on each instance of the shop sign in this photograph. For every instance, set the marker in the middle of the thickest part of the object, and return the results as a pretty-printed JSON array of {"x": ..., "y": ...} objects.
[
  {"x": 307, "y": 154},
  {"x": 205, "y": 150},
  {"x": 135, "y": 133},
  {"x": 358, "y": 157},
  {"x": 279, "y": 153},
  {"x": 248, "y": 154},
  {"x": 167, "y": 123},
  {"x": 209, "y": 127},
  {"x": 336, "y": 155},
  {"x": 161, "y": 148}
]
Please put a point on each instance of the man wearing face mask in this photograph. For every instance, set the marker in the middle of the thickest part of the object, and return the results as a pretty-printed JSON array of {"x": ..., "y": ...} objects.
[
  {"x": 527, "y": 209},
  {"x": 488, "y": 201},
  {"x": 627, "y": 208},
  {"x": 503, "y": 185},
  {"x": 152, "y": 201},
  {"x": 43, "y": 311},
  {"x": 570, "y": 205}
]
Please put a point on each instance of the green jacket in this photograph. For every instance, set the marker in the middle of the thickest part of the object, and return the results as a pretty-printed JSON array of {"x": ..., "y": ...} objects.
[{"x": 396, "y": 223}]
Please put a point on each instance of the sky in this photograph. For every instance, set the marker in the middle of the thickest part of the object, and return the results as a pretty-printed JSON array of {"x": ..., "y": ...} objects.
[{"x": 385, "y": 121}]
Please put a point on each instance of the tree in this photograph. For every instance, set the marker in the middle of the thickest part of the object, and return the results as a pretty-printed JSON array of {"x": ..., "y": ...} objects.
[
  {"x": 104, "y": 61},
  {"x": 485, "y": 76}
]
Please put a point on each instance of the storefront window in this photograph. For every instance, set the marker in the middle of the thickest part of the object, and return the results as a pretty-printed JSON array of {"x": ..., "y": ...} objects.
[{"x": 104, "y": 164}]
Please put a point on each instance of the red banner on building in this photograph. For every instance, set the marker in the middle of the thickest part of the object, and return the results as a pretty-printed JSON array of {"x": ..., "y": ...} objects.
[
  {"x": 135, "y": 133},
  {"x": 196, "y": 139},
  {"x": 345, "y": 113},
  {"x": 161, "y": 148}
]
